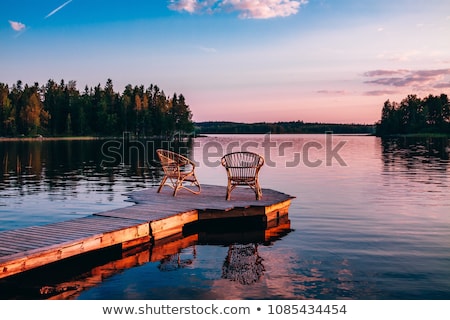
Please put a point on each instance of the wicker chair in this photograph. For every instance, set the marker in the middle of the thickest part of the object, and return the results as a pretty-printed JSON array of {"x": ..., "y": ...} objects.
[
  {"x": 178, "y": 170},
  {"x": 243, "y": 169}
]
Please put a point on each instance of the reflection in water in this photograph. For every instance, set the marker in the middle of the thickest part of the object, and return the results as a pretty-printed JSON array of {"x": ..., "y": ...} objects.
[
  {"x": 49, "y": 164},
  {"x": 414, "y": 153},
  {"x": 377, "y": 228},
  {"x": 418, "y": 164},
  {"x": 176, "y": 261},
  {"x": 243, "y": 264},
  {"x": 78, "y": 177},
  {"x": 71, "y": 277}
]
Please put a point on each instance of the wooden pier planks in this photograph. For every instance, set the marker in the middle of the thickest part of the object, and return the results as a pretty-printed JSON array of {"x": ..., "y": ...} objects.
[
  {"x": 32, "y": 247},
  {"x": 154, "y": 216},
  {"x": 211, "y": 199}
]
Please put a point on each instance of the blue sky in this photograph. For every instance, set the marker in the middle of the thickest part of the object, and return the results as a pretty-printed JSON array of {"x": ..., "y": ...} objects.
[{"x": 238, "y": 60}]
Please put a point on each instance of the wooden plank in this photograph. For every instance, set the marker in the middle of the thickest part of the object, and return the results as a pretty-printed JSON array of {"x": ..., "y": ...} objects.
[
  {"x": 36, "y": 235},
  {"x": 233, "y": 213},
  {"x": 148, "y": 216},
  {"x": 19, "y": 241},
  {"x": 136, "y": 242},
  {"x": 8, "y": 251},
  {"x": 171, "y": 225},
  {"x": 277, "y": 210},
  {"x": 131, "y": 233},
  {"x": 28, "y": 260},
  {"x": 19, "y": 246},
  {"x": 154, "y": 216}
]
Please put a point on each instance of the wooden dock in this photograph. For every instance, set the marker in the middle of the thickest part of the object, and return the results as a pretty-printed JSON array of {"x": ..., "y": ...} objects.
[{"x": 154, "y": 217}]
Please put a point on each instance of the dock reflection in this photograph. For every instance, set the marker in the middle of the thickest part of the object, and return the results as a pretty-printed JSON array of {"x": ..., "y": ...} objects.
[{"x": 68, "y": 279}]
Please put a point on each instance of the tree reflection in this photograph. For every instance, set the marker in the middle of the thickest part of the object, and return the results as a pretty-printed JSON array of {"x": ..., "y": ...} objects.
[
  {"x": 415, "y": 152},
  {"x": 60, "y": 164}
]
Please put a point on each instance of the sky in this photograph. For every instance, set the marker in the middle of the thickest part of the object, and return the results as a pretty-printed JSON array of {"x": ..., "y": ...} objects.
[{"x": 334, "y": 61}]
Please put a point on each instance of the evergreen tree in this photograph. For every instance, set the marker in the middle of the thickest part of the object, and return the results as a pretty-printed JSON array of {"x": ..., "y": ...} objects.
[
  {"x": 59, "y": 109},
  {"x": 415, "y": 115},
  {"x": 7, "y": 112}
]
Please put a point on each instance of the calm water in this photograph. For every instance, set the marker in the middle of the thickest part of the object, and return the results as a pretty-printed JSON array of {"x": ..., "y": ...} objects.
[{"x": 371, "y": 218}]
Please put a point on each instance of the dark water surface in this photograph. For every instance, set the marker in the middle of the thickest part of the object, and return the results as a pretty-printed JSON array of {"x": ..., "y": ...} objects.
[{"x": 371, "y": 218}]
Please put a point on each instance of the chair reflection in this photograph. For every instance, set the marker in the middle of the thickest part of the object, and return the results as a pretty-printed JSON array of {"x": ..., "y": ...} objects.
[
  {"x": 243, "y": 264},
  {"x": 174, "y": 261}
]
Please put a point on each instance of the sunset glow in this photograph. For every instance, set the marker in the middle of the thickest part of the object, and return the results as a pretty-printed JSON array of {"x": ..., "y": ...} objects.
[{"x": 238, "y": 60}]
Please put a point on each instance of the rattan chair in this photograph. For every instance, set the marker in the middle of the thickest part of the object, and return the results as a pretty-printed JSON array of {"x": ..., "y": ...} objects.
[
  {"x": 242, "y": 170},
  {"x": 179, "y": 172}
]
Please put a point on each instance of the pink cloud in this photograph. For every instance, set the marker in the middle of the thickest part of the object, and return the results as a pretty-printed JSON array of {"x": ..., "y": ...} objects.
[
  {"x": 264, "y": 9},
  {"x": 442, "y": 85},
  {"x": 376, "y": 73},
  {"x": 379, "y": 92},
  {"x": 17, "y": 26},
  {"x": 190, "y": 6},
  {"x": 333, "y": 92},
  {"x": 247, "y": 9},
  {"x": 420, "y": 79}
]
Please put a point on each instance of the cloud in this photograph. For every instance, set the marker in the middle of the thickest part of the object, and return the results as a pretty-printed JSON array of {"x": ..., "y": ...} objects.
[
  {"x": 57, "y": 9},
  {"x": 264, "y": 9},
  {"x": 207, "y": 49},
  {"x": 442, "y": 85},
  {"x": 376, "y": 73},
  {"x": 247, "y": 9},
  {"x": 190, "y": 6},
  {"x": 420, "y": 79},
  {"x": 400, "y": 56},
  {"x": 333, "y": 92},
  {"x": 17, "y": 26},
  {"x": 379, "y": 92}
]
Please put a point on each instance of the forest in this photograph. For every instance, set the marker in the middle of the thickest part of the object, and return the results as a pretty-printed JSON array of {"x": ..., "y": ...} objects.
[
  {"x": 281, "y": 127},
  {"x": 60, "y": 109},
  {"x": 414, "y": 115}
]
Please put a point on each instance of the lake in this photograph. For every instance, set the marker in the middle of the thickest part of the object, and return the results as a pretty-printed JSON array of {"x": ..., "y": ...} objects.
[{"x": 370, "y": 218}]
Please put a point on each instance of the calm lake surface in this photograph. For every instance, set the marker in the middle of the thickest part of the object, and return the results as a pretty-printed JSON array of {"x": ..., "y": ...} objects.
[{"x": 371, "y": 217}]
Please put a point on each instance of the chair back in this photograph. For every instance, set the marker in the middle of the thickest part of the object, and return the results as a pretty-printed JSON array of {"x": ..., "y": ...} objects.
[
  {"x": 177, "y": 169},
  {"x": 170, "y": 158},
  {"x": 242, "y": 164}
]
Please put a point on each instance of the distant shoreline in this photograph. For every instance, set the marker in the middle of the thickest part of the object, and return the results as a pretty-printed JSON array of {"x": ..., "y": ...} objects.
[
  {"x": 417, "y": 135},
  {"x": 48, "y": 138},
  {"x": 86, "y": 138}
]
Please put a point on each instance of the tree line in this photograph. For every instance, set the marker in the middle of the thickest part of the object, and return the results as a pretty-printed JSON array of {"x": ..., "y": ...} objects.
[
  {"x": 224, "y": 127},
  {"x": 415, "y": 115},
  {"x": 62, "y": 110}
]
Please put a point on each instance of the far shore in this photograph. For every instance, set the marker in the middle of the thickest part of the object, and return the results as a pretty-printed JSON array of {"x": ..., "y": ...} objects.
[
  {"x": 418, "y": 135},
  {"x": 47, "y": 138},
  {"x": 42, "y": 138}
]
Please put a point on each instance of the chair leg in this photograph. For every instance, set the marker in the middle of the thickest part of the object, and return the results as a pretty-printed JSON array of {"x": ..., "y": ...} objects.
[
  {"x": 176, "y": 187},
  {"x": 258, "y": 191},
  {"x": 196, "y": 184},
  {"x": 228, "y": 196},
  {"x": 162, "y": 184}
]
